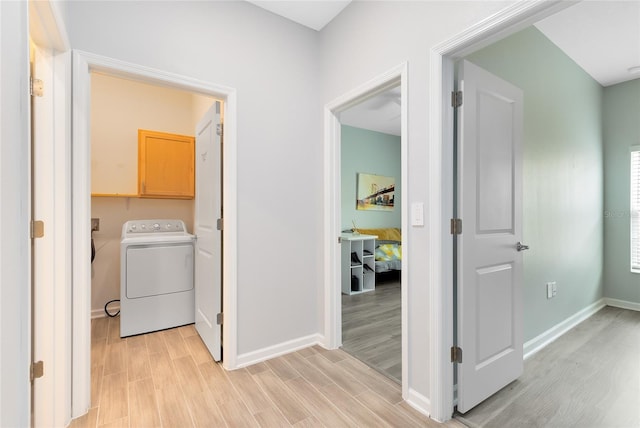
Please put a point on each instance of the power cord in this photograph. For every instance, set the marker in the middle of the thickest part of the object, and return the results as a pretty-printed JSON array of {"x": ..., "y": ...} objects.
[{"x": 106, "y": 311}]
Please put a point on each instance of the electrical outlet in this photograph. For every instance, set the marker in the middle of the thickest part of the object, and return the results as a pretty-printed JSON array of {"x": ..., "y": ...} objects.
[
  {"x": 552, "y": 290},
  {"x": 95, "y": 224}
]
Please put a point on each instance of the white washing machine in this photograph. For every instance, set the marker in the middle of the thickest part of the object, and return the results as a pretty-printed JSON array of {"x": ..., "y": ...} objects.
[{"x": 156, "y": 276}]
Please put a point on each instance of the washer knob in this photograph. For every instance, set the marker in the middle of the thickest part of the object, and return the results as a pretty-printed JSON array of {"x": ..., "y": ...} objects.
[{"x": 156, "y": 226}]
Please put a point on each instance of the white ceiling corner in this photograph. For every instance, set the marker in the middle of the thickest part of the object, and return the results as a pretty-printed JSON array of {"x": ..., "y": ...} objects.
[
  {"x": 602, "y": 37},
  {"x": 314, "y": 14}
]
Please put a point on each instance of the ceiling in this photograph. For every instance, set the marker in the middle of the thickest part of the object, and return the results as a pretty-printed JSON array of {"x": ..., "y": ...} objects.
[
  {"x": 314, "y": 14},
  {"x": 380, "y": 113},
  {"x": 609, "y": 54},
  {"x": 602, "y": 37}
]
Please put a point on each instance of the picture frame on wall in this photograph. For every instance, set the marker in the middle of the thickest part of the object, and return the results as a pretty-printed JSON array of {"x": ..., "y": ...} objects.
[{"x": 375, "y": 192}]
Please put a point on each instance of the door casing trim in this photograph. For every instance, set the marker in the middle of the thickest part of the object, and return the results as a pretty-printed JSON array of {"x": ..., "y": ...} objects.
[{"x": 84, "y": 64}]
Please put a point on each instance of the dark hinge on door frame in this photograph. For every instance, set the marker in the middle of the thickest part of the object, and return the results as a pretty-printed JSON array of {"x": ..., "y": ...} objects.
[
  {"x": 456, "y": 226},
  {"x": 456, "y": 99},
  {"x": 456, "y": 354}
]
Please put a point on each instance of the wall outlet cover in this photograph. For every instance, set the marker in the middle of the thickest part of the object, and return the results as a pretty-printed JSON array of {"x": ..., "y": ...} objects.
[{"x": 551, "y": 290}]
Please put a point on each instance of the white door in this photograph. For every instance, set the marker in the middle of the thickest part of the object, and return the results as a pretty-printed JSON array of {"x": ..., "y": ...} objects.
[
  {"x": 208, "y": 247},
  {"x": 489, "y": 263}
]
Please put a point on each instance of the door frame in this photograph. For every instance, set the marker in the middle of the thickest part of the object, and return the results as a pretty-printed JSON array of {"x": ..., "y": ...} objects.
[
  {"x": 50, "y": 258},
  {"x": 84, "y": 64},
  {"x": 49, "y": 187},
  {"x": 332, "y": 203},
  {"x": 441, "y": 185}
]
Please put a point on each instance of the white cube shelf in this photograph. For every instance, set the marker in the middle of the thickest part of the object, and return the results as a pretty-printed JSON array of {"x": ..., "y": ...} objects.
[{"x": 358, "y": 263}]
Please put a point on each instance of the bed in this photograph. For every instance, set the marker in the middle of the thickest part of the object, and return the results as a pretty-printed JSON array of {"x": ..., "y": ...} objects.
[{"x": 388, "y": 251}]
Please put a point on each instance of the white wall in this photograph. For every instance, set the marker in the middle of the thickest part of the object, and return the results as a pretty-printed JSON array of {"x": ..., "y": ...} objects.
[
  {"x": 366, "y": 40},
  {"x": 14, "y": 216},
  {"x": 274, "y": 65}
]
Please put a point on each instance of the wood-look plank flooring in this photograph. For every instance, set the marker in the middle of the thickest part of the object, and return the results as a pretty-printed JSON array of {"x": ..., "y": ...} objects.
[
  {"x": 372, "y": 330},
  {"x": 589, "y": 377},
  {"x": 168, "y": 379}
]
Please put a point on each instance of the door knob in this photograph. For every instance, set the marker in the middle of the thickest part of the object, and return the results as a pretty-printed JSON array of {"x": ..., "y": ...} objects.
[{"x": 521, "y": 247}]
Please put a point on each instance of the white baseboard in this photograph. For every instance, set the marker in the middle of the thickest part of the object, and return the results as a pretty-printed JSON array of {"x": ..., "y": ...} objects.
[
  {"x": 623, "y": 304},
  {"x": 267, "y": 353},
  {"x": 539, "y": 342},
  {"x": 99, "y": 313},
  {"x": 419, "y": 402}
]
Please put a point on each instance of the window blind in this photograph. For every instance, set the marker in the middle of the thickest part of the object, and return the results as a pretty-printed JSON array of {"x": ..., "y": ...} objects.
[{"x": 635, "y": 208}]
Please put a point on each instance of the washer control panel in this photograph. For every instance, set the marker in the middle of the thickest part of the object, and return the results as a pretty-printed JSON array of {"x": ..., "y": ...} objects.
[{"x": 155, "y": 226}]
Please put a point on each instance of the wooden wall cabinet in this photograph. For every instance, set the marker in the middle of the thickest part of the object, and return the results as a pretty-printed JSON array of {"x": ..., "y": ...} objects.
[{"x": 165, "y": 165}]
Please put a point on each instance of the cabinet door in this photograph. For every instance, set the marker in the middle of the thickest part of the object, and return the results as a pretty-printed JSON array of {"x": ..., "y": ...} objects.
[{"x": 165, "y": 165}]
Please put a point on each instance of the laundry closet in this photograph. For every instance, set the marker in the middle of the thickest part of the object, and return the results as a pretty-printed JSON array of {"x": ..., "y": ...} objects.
[{"x": 120, "y": 108}]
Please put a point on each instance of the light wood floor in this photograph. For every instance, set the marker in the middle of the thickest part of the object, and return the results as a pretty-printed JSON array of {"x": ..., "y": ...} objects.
[
  {"x": 372, "y": 329},
  {"x": 589, "y": 377},
  {"x": 168, "y": 379}
]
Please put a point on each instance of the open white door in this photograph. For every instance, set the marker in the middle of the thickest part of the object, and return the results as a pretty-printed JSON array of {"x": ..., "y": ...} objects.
[
  {"x": 208, "y": 211},
  {"x": 489, "y": 257}
]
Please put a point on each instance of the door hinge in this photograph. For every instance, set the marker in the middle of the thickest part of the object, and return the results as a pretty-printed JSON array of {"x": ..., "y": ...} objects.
[
  {"x": 219, "y": 318},
  {"x": 456, "y": 226},
  {"x": 456, "y": 99},
  {"x": 456, "y": 354},
  {"x": 36, "y": 370},
  {"x": 220, "y": 224},
  {"x": 219, "y": 129},
  {"x": 339, "y": 239},
  {"x": 37, "y": 229},
  {"x": 36, "y": 87}
]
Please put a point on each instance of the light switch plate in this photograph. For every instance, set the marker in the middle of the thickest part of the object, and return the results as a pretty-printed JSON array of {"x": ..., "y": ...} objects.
[{"x": 417, "y": 214}]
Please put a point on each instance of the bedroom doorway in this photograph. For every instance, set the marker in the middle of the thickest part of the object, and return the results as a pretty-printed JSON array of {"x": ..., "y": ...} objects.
[
  {"x": 371, "y": 215},
  {"x": 384, "y": 94}
]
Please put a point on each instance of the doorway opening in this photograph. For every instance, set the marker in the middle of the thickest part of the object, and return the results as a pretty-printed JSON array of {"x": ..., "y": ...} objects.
[
  {"x": 359, "y": 275},
  {"x": 443, "y": 58},
  {"x": 85, "y": 66},
  {"x": 371, "y": 253},
  {"x": 120, "y": 108}
]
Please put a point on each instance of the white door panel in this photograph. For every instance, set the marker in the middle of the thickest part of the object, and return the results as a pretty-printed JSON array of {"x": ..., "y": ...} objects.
[
  {"x": 208, "y": 259},
  {"x": 490, "y": 206}
]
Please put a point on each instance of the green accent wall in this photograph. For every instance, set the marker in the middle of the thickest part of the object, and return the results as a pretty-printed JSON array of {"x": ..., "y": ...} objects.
[
  {"x": 370, "y": 152},
  {"x": 562, "y": 175},
  {"x": 621, "y": 126}
]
